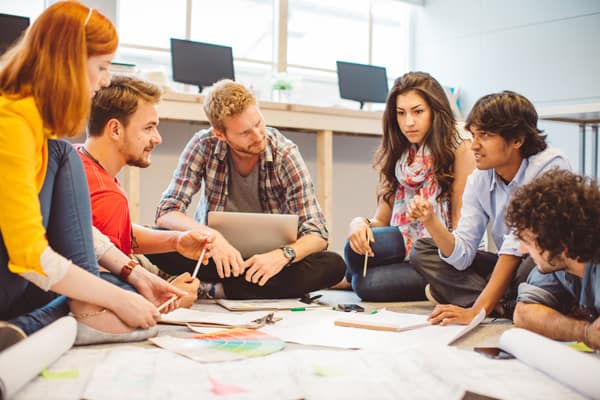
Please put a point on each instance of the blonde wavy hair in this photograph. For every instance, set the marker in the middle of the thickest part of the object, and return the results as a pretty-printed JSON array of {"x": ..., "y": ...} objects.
[{"x": 225, "y": 99}]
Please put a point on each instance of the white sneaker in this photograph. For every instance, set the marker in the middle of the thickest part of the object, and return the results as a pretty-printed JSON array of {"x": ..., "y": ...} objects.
[{"x": 429, "y": 295}]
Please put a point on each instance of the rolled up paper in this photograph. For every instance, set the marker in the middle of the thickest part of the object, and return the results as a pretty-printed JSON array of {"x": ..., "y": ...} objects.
[
  {"x": 33, "y": 354},
  {"x": 577, "y": 370}
]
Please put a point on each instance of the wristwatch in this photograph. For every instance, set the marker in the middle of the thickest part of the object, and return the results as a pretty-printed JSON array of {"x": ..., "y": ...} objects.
[{"x": 289, "y": 253}]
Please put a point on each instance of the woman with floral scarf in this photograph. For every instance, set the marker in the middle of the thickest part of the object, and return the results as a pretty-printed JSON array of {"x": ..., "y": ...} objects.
[{"x": 421, "y": 153}]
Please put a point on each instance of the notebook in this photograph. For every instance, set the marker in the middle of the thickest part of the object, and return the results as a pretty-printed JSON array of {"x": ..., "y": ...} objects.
[{"x": 254, "y": 233}]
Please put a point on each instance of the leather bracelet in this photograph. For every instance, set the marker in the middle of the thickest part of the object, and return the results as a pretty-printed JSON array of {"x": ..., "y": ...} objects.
[{"x": 127, "y": 269}]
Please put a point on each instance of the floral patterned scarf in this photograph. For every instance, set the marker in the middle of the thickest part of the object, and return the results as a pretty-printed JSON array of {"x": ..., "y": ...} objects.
[{"x": 412, "y": 177}]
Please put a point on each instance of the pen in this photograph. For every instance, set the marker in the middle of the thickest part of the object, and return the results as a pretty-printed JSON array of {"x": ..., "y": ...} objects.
[
  {"x": 199, "y": 263},
  {"x": 298, "y": 309},
  {"x": 365, "y": 264},
  {"x": 166, "y": 303}
]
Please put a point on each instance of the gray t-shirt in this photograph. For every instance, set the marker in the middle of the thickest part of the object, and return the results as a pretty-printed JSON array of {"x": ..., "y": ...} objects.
[{"x": 242, "y": 191}]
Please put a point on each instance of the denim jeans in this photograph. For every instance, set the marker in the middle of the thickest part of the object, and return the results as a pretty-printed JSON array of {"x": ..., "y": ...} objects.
[
  {"x": 389, "y": 277},
  {"x": 65, "y": 206}
]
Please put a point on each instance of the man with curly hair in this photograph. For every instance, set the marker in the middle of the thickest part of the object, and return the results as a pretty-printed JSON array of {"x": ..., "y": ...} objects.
[
  {"x": 510, "y": 151},
  {"x": 240, "y": 164},
  {"x": 557, "y": 219}
]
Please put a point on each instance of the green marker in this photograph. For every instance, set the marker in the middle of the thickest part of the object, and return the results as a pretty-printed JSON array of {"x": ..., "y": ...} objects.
[{"x": 298, "y": 309}]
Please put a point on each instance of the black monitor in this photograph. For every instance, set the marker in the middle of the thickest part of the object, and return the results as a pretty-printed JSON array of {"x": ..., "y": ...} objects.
[
  {"x": 200, "y": 64},
  {"x": 361, "y": 82},
  {"x": 11, "y": 28}
]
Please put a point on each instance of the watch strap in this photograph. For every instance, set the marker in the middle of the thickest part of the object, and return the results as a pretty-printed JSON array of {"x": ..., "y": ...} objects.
[{"x": 127, "y": 269}]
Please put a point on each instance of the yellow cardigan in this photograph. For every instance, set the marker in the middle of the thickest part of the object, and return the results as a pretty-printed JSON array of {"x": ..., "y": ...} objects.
[{"x": 23, "y": 163}]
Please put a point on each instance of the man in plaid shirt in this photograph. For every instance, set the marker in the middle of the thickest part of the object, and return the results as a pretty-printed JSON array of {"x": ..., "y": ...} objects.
[{"x": 248, "y": 167}]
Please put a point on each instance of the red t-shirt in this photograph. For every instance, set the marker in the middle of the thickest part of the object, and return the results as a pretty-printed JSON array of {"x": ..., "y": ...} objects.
[{"x": 110, "y": 207}]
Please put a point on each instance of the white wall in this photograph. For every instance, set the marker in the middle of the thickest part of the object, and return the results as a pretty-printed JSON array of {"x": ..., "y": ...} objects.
[{"x": 546, "y": 50}]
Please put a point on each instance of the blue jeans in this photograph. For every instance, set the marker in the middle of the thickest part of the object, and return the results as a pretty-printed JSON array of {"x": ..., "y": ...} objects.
[
  {"x": 65, "y": 205},
  {"x": 389, "y": 277}
]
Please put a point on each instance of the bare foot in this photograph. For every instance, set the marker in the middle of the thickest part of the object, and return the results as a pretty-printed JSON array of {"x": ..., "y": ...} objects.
[
  {"x": 342, "y": 285},
  {"x": 98, "y": 317}
]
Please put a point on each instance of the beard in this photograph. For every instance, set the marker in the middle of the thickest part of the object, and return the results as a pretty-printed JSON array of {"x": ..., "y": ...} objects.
[
  {"x": 141, "y": 161},
  {"x": 253, "y": 150}
]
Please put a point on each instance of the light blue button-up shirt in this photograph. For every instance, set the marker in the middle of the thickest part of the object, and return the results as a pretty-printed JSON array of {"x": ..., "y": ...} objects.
[{"x": 485, "y": 200}]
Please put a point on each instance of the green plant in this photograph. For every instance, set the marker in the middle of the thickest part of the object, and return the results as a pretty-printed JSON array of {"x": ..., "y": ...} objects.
[{"x": 282, "y": 84}]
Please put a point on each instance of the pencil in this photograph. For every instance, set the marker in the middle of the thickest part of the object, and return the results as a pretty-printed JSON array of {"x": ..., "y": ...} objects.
[
  {"x": 365, "y": 264},
  {"x": 166, "y": 303},
  {"x": 199, "y": 263}
]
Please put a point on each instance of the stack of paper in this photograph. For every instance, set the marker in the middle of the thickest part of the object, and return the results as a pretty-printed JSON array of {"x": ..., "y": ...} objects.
[
  {"x": 264, "y": 304},
  {"x": 185, "y": 316}
]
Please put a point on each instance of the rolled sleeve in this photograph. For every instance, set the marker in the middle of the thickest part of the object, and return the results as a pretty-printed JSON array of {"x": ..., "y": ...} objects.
[
  {"x": 510, "y": 245},
  {"x": 545, "y": 289}
]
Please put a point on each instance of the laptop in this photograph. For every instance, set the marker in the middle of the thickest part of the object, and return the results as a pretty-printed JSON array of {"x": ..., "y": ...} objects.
[{"x": 255, "y": 233}]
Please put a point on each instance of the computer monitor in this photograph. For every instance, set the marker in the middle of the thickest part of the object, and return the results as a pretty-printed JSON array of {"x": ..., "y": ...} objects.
[
  {"x": 200, "y": 64},
  {"x": 361, "y": 82},
  {"x": 11, "y": 28}
]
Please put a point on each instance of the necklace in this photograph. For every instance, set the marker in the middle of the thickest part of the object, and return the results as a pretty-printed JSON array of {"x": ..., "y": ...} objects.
[{"x": 91, "y": 157}]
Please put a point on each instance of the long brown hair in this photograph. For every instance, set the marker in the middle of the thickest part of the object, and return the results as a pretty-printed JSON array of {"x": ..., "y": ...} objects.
[
  {"x": 442, "y": 138},
  {"x": 50, "y": 64}
]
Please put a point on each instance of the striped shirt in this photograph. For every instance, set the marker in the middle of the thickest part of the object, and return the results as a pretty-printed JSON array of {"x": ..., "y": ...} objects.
[{"x": 284, "y": 183}]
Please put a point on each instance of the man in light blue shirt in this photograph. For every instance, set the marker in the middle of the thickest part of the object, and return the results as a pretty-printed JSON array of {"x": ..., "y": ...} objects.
[
  {"x": 557, "y": 218},
  {"x": 509, "y": 151}
]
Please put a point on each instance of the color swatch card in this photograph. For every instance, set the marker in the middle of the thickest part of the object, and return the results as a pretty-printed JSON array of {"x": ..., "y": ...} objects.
[{"x": 226, "y": 345}]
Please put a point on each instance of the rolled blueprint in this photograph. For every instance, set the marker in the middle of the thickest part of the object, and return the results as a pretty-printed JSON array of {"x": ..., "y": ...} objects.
[
  {"x": 568, "y": 366},
  {"x": 23, "y": 361}
]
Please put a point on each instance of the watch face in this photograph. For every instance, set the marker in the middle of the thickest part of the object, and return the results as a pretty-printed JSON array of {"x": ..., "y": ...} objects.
[{"x": 289, "y": 252}]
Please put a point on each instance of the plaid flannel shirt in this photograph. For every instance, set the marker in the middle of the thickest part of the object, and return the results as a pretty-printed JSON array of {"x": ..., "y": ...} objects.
[{"x": 285, "y": 186}]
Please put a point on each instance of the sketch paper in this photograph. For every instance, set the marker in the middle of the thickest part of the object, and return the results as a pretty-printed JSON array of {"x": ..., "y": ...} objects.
[
  {"x": 264, "y": 304},
  {"x": 317, "y": 328},
  {"x": 474, "y": 322}
]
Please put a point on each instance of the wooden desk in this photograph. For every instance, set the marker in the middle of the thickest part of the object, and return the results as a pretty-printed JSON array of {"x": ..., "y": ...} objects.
[
  {"x": 324, "y": 121},
  {"x": 582, "y": 115}
]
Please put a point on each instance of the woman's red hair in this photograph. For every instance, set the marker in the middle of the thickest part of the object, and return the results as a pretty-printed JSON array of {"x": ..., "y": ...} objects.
[{"x": 50, "y": 64}]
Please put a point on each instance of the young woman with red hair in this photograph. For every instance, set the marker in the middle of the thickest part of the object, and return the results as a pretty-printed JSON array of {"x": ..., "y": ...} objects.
[{"x": 47, "y": 246}]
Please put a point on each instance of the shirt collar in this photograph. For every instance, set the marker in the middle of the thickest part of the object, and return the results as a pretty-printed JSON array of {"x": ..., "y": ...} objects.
[{"x": 517, "y": 179}]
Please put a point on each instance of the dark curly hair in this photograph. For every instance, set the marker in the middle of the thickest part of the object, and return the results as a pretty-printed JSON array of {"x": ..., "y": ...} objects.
[
  {"x": 442, "y": 138},
  {"x": 510, "y": 115},
  {"x": 562, "y": 210}
]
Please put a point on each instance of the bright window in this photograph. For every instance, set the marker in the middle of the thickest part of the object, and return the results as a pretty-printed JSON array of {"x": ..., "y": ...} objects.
[
  {"x": 245, "y": 25},
  {"x": 321, "y": 32},
  {"x": 151, "y": 22}
]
